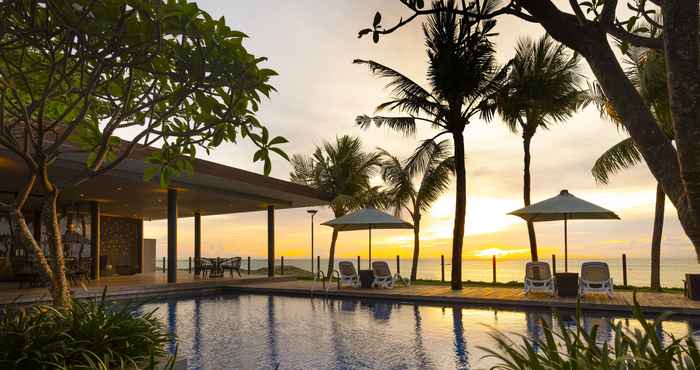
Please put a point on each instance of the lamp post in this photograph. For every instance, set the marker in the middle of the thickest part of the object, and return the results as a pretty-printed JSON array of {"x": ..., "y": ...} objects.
[{"x": 312, "y": 212}]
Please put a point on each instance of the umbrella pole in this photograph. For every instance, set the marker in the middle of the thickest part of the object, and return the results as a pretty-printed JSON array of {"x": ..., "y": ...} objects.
[
  {"x": 566, "y": 246},
  {"x": 370, "y": 246}
]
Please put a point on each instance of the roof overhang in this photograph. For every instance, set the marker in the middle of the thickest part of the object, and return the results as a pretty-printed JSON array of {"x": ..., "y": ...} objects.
[{"x": 213, "y": 189}]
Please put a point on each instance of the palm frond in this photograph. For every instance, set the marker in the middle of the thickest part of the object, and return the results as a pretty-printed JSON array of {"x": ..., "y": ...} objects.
[
  {"x": 620, "y": 156},
  {"x": 427, "y": 155},
  {"x": 542, "y": 86},
  {"x": 399, "y": 187},
  {"x": 341, "y": 169},
  {"x": 404, "y": 125},
  {"x": 436, "y": 181},
  {"x": 399, "y": 85}
]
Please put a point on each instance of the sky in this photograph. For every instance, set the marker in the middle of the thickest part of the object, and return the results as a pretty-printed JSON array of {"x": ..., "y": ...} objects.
[{"x": 312, "y": 43}]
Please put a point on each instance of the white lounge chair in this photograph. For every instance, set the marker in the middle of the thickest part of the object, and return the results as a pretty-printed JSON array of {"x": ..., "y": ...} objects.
[
  {"x": 348, "y": 274},
  {"x": 595, "y": 278},
  {"x": 538, "y": 278},
  {"x": 383, "y": 278}
]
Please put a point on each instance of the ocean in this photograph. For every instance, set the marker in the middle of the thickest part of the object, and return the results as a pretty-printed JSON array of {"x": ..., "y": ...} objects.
[{"x": 673, "y": 270}]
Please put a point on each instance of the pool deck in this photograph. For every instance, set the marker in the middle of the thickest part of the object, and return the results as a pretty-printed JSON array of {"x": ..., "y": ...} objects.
[
  {"x": 155, "y": 285},
  {"x": 483, "y": 296},
  {"x": 136, "y": 286}
]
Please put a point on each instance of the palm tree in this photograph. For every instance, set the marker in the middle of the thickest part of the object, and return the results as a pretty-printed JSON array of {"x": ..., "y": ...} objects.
[
  {"x": 462, "y": 71},
  {"x": 435, "y": 166},
  {"x": 646, "y": 69},
  {"x": 343, "y": 171},
  {"x": 542, "y": 89}
]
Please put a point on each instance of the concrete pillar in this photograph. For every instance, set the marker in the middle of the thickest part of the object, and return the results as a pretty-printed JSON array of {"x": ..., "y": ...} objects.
[
  {"x": 139, "y": 247},
  {"x": 197, "y": 241},
  {"x": 95, "y": 240},
  {"x": 172, "y": 235},
  {"x": 270, "y": 240}
]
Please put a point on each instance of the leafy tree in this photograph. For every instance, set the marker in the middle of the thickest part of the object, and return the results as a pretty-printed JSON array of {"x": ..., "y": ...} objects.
[
  {"x": 462, "y": 73},
  {"x": 343, "y": 171},
  {"x": 74, "y": 74},
  {"x": 646, "y": 69},
  {"x": 586, "y": 30},
  {"x": 542, "y": 89},
  {"x": 433, "y": 167}
]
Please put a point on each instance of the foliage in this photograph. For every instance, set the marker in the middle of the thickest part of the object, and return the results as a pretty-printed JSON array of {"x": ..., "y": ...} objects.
[
  {"x": 542, "y": 87},
  {"x": 577, "y": 348},
  {"x": 646, "y": 70},
  {"x": 435, "y": 165},
  {"x": 83, "y": 71},
  {"x": 343, "y": 171},
  {"x": 462, "y": 72},
  {"x": 91, "y": 334}
]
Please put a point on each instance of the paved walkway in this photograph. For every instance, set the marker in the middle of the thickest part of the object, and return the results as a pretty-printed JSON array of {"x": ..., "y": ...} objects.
[
  {"x": 149, "y": 285},
  {"x": 491, "y": 296},
  {"x": 142, "y": 285}
]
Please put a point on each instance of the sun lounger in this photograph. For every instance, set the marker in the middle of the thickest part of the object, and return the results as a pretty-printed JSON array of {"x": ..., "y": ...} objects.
[
  {"x": 382, "y": 276},
  {"x": 595, "y": 278},
  {"x": 538, "y": 278},
  {"x": 348, "y": 274}
]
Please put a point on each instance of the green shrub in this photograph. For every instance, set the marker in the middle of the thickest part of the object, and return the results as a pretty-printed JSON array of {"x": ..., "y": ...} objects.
[
  {"x": 90, "y": 335},
  {"x": 576, "y": 348}
]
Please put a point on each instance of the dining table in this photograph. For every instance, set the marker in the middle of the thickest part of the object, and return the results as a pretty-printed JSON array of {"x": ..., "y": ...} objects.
[{"x": 216, "y": 270}]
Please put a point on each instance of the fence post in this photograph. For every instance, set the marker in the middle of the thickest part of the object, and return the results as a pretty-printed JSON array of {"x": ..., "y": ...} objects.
[
  {"x": 398, "y": 265},
  {"x": 442, "y": 267},
  {"x": 624, "y": 270},
  {"x": 248, "y": 265},
  {"x": 282, "y": 265},
  {"x": 163, "y": 264},
  {"x": 318, "y": 266},
  {"x": 358, "y": 263},
  {"x": 189, "y": 266},
  {"x": 493, "y": 263},
  {"x": 554, "y": 264}
]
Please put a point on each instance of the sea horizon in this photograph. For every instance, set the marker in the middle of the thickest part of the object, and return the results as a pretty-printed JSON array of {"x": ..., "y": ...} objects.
[{"x": 673, "y": 269}]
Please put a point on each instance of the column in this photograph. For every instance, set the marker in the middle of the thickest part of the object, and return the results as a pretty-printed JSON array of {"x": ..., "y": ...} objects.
[
  {"x": 172, "y": 235},
  {"x": 95, "y": 240},
  {"x": 270, "y": 240},
  {"x": 139, "y": 246},
  {"x": 197, "y": 241}
]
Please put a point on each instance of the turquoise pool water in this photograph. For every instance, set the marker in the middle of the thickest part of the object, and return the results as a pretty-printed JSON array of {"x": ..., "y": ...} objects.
[{"x": 233, "y": 331}]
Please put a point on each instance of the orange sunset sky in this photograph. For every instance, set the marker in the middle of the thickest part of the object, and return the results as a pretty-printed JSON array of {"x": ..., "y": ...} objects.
[{"x": 311, "y": 44}]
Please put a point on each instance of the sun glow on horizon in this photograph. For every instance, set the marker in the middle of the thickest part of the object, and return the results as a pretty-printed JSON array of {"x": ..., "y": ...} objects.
[{"x": 498, "y": 252}]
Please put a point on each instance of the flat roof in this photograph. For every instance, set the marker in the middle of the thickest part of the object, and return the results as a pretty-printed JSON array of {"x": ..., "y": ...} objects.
[{"x": 212, "y": 189}]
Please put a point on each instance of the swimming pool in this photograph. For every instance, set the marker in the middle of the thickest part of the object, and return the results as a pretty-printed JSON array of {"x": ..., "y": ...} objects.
[{"x": 244, "y": 331}]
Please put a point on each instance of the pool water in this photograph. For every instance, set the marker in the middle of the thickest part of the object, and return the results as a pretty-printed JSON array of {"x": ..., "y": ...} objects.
[{"x": 234, "y": 331}]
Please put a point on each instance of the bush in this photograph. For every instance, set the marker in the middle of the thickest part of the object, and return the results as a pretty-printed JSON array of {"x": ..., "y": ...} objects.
[
  {"x": 576, "y": 348},
  {"x": 91, "y": 334}
]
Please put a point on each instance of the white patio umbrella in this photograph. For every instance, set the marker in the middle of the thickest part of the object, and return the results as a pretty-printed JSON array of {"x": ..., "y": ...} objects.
[
  {"x": 564, "y": 207},
  {"x": 367, "y": 218}
]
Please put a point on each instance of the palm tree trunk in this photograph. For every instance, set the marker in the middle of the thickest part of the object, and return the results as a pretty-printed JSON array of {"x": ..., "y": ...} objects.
[
  {"x": 331, "y": 253},
  {"x": 656, "y": 238},
  {"x": 460, "y": 211},
  {"x": 526, "y": 193},
  {"x": 416, "y": 248}
]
